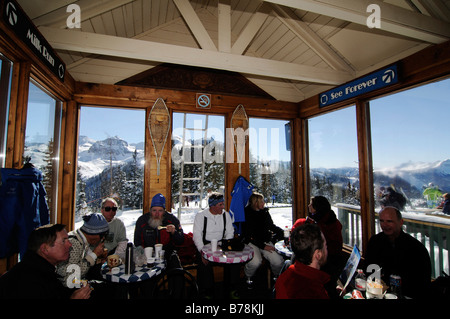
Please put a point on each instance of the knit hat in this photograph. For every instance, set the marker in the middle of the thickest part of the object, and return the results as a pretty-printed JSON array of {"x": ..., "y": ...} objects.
[
  {"x": 158, "y": 200},
  {"x": 95, "y": 224},
  {"x": 214, "y": 199}
]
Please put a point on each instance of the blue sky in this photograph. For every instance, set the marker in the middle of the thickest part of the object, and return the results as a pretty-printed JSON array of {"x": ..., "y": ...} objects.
[{"x": 412, "y": 125}]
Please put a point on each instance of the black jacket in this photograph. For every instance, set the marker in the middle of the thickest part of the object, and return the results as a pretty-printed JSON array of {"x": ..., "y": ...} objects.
[
  {"x": 32, "y": 278},
  {"x": 406, "y": 257},
  {"x": 259, "y": 228}
]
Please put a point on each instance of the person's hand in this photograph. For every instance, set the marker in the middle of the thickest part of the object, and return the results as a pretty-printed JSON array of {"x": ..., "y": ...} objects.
[
  {"x": 101, "y": 252},
  {"x": 82, "y": 293},
  {"x": 170, "y": 228},
  {"x": 269, "y": 248}
]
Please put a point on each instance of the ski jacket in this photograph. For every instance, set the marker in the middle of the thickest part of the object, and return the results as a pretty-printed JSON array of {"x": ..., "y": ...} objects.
[
  {"x": 146, "y": 236},
  {"x": 23, "y": 207}
]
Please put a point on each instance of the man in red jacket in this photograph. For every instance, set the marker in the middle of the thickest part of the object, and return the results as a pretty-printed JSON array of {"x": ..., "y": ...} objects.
[{"x": 304, "y": 279}]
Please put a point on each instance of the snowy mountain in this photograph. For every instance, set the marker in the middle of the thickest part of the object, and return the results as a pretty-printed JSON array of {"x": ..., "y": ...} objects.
[
  {"x": 95, "y": 156},
  {"x": 411, "y": 177},
  {"x": 421, "y": 175}
]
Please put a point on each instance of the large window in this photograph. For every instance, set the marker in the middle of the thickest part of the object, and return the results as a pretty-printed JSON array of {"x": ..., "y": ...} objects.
[
  {"x": 334, "y": 170},
  {"x": 410, "y": 133},
  {"x": 42, "y": 137},
  {"x": 270, "y": 166},
  {"x": 5, "y": 88},
  {"x": 198, "y": 163},
  {"x": 111, "y": 162}
]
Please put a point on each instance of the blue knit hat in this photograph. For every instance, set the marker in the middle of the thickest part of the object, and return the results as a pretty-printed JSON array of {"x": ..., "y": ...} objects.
[
  {"x": 214, "y": 199},
  {"x": 95, "y": 224},
  {"x": 158, "y": 200}
]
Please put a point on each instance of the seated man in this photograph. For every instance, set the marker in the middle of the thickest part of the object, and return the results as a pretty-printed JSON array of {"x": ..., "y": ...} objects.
[
  {"x": 34, "y": 277},
  {"x": 212, "y": 223},
  {"x": 87, "y": 253},
  {"x": 117, "y": 231},
  {"x": 147, "y": 233},
  {"x": 304, "y": 279},
  {"x": 398, "y": 253}
]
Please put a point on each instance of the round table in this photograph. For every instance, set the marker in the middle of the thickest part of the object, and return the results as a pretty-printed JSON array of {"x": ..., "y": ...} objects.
[
  {"x": 227, "y": 257},
  {"x": 140, "y": 273},
  {"x": 282, "y": 249}
]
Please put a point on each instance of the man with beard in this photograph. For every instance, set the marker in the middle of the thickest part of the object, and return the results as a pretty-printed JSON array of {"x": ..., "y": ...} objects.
[
  {"x": 146, "y": 232},
  {"x": 160, "y": 227},
  {"x": 304, "y": 279}
]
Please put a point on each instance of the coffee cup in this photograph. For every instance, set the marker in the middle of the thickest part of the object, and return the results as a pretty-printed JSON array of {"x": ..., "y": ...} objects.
[
  {"x": 148, "y": 252},
  {"x": 158, "y": 248},
  {"x": 214, "y": 245}
]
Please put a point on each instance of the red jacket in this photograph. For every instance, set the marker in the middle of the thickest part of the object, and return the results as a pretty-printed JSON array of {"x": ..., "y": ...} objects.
[
  {"x": 331, "y": 228},
  {"x": 302, "y": 282}
]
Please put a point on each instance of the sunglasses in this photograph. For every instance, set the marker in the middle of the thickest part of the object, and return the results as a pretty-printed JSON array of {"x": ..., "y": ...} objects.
[{"x": 107, "y": 209}]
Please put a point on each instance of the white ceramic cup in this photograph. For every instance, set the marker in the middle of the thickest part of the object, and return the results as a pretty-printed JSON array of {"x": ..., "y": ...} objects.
[
  {"x": 214, "y": 245},
  {"x": 148, "y": 252},
  {"x": 158, "y": 248}
]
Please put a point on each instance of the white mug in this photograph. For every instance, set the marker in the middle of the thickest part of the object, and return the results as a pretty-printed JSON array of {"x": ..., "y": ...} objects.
[
  {"x": 158, "y": 248},
  {"x": 214, "y": 245},
  {"x": 148, "y": 252}
]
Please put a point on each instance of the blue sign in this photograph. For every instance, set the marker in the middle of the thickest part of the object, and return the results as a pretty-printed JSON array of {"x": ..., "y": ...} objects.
[
  {"x": 373, "y": 81},
  {"x": 203, "y": 101}
]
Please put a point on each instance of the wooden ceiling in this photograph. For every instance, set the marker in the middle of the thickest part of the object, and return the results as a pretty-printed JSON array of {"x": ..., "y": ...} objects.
[{"x": 290, "y": 49}]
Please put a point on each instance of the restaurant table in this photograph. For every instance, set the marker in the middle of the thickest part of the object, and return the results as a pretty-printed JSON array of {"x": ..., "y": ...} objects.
[
  {"x": 133, "y": 280},
  {"x": 282, "y": 249},
  {"x": 228, "y": 260},
  {"x": 227, "y": 257}
]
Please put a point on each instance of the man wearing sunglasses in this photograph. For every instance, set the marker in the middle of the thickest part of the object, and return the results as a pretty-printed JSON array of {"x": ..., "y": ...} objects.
[{"x": 117, "y": 231}]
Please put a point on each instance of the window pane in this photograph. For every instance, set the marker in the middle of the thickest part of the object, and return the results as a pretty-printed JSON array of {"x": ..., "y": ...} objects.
[
  {"x": 410, "y": 153},
  {"x": 42, "y": 135},
  {"x": 198, "y": 164},
  {"x": 270, "y": 166},
  {"x": 5, "y": 90},
  {"x": 111, "y": 162},
  {"x": 334, "y": 171}
]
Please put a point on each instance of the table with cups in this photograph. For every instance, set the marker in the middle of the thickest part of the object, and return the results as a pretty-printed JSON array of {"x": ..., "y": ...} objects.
[
  {"x": 283, "y": 249},
  {"x": 113, "y": 270},
  {"x": 227, "y": 259},
  {"x": 212, "y": 253}
]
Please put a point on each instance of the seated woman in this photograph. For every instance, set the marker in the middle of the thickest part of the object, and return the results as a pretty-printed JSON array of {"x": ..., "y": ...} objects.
[
  {"x": 261, "y": 233},
  {"x": 320, "y": 213}
]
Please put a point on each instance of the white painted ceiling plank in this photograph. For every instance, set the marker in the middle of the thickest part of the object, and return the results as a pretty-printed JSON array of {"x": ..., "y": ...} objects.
[
  {"x": 319, "y": 46},
  {"x": 393, "y": 19},
  {"x": 224, "y": 22},
  {"x": 89, "y": 9}
]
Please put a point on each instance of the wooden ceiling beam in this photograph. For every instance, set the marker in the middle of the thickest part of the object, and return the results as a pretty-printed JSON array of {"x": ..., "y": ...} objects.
[
  {"x": 393, "y": 18},
  {"x": 87, "y": 42}
]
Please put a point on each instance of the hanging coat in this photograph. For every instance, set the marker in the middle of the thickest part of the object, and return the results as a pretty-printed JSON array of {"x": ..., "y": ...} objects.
[
  {"x": 23, "y": 207},
  {"x": 239, "y": 197}
]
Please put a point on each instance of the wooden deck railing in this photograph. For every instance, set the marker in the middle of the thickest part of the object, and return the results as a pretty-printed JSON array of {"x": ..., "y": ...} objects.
[{"x": 431, "y": 230}]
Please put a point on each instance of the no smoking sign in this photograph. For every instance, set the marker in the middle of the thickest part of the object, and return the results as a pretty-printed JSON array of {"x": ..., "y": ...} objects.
[{"x": 203, "y": 101}]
